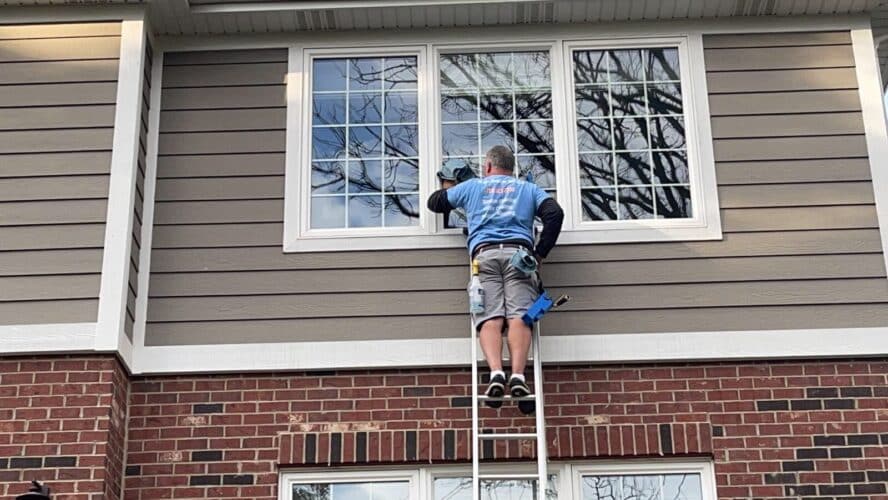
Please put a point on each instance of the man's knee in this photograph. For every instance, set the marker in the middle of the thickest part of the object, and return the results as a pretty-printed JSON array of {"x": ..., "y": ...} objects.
[{"x": 495, "y": 324}]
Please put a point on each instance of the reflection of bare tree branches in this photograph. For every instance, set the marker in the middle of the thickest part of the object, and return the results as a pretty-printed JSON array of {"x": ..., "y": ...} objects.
[
  {"x": 614, "y": 116},
  {"x": 311, "y": 492},
  {"x": 505, "y": 489}
]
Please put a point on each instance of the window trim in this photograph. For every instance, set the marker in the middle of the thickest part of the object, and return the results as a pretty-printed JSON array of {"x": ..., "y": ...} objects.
[
  {"x": 551, "y": 46},
  {"x": 698, "y": 198},
  {"x": 568, "y": 474},
  {"x": 430, "y": 233},
  {"x": 634, "y": 467},
  {"x": 303, "y": 197}
]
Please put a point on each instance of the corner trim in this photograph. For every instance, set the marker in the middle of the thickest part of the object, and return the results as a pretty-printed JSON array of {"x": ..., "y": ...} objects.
[
  {"x": 148, "y": 209},
  {"x": 54, "y": 337},
  {"x": 866, "y": 64},
  {"x": 110, "y": 334},
  {"x": 564, "y": 349}
]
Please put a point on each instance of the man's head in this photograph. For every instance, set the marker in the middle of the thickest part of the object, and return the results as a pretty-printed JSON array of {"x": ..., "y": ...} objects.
[{"x": 498, "y": 161}]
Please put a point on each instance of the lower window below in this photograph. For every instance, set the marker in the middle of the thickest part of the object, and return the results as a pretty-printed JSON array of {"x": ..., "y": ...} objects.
[{"x": 630, "y": 480}]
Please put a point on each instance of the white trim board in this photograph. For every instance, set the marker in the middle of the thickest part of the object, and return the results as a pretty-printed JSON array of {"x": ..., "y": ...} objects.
[
  {"x": 43, "y": 338},
  {"x": 70, "y": 13},
  {"x": 148, "y": 206},
  {"x": 872, "y": 105},
  {"x": 562, "y": 349},
  {"x": 110, "y": 334}
]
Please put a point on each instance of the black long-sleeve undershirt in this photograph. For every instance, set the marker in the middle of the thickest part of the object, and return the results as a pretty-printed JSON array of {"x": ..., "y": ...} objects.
[
  {"x": 552, "y": 215},
  {"x": 439, "y": 203}
]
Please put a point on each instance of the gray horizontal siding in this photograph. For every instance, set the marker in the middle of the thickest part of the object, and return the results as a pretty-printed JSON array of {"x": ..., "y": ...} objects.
[
  {"x": 57, "y": 96},
  {"x": 801, "y": 247}
]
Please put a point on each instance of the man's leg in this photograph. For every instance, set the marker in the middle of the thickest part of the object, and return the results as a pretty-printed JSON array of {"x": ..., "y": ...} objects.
[
  {"x": 519, "y": 344},
  {"x": 492, "y": 343}
]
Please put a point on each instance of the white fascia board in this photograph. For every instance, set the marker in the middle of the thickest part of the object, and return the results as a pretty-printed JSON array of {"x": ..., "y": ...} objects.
[
  {"x": 561, "y": 349},
  {"x": 872, "y": 105},
  {"x": 70, "y": 13},
  {"x": 47, "y": 338},
  {"x": 122, "y": 189}
]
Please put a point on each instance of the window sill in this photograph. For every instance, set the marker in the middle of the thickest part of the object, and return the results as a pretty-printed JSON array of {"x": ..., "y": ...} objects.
[{"x": 639, "y": 233}]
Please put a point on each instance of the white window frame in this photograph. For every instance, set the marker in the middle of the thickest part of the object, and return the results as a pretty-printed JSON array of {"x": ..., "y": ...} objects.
[
  {"x": 705, "y": 223},
  {"x": 430, "y": 233},
  {"x": 550, "y": 46},
  {"x": 288, "y": 479},
  {"x": 302, "y": 169},
  {"x": 568, "y": 474},
  {"x": 634, "y": 467}
]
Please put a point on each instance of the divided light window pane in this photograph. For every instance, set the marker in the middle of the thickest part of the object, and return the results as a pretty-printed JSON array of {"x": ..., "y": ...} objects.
[
  {"x": 642, "y": 487},
  {"x": 392, "y": 490},
  {"x": 364, "y": 143},
  {"x": 460, "y": 488},
  {"x": 498, "y": 98},
  {"x": 633, "y": 158}
]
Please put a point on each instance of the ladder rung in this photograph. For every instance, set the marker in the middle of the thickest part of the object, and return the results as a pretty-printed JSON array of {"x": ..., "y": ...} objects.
[
  {"x": 482, "y": 397},
  {"x": 506, "y": 476},
  {"x": 516, "y": 436}
]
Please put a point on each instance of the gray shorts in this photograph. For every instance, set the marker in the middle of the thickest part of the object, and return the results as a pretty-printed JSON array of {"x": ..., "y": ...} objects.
[{"x": 507, "y": 292}]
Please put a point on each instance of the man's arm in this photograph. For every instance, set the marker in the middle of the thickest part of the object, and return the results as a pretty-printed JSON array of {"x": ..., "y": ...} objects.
[
  {"x": 439, "y": 203},
  {"x": 552, "y": 215}
]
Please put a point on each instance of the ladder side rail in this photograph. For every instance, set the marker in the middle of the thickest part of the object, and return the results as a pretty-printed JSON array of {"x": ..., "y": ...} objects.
[
  {"x": 476, "y": 471},
  {"x": 542, "y": 452}
]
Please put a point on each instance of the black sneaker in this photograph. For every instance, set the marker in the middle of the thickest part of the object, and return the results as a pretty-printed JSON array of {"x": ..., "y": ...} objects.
[
  {"x": 518, "y": 389},
  {"x": 495, "y": 389}
]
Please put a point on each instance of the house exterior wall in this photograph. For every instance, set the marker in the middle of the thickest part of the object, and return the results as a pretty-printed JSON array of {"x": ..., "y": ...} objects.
[
  {"x": 63, "y": 421},
  {"x": 57, "y": 109},
  {"x": 772, "y": 429},
  {"x": 801, "y": 245}
]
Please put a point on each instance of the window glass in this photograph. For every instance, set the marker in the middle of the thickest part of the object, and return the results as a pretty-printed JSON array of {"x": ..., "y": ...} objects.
[
  {"x": 499, "y": 98},
  {"x": 364, "y": 143},
  {"x": 631, "y": 134},
  {"x": 393, "y": 490},
  {"x": 460, "y": 488},
  {"x": 642, "y": 487}
]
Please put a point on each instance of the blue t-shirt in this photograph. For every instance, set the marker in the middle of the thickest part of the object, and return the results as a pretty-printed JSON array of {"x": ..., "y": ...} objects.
[{"x": 499, "y": 208}]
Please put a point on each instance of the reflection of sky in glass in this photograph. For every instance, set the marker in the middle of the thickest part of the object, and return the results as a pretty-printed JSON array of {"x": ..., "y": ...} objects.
[
  {"x": 389, "y": 490},
  {"x": 642, "y": 487},
  {"x": 460, "y": 488},
  {"x": 364, "y": 111},
  {"x": 498, "y": 98},
  {"x": 631, "y": 134}
]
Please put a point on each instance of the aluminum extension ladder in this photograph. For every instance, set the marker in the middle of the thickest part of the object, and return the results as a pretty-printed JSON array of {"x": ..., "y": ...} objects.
[{"x": 541, "y": 476}]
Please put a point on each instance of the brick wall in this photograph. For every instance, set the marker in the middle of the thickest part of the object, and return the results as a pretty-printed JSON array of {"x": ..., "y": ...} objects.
[
  {"x": 773, "y": 429},
  {"x": 62, "y": 421}
]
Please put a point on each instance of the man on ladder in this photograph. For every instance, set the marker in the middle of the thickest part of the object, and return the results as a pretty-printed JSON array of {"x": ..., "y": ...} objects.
[{"x": 500, "y": 209}]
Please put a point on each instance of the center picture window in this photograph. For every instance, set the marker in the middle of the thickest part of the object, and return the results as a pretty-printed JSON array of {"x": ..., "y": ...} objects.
[
  {"x": 364, "y": 143},
  {"x": 498, "y": 98}
]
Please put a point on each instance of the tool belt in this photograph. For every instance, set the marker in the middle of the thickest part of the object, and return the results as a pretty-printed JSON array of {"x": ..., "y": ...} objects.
[{"x": 489, "y": 246}]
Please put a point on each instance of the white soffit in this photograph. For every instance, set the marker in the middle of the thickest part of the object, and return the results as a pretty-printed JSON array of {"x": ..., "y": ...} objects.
[{"x": 190, "y": 17}]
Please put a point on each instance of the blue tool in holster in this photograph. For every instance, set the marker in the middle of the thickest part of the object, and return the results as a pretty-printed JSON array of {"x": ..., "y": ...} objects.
[{"x": 541, "y": 306}]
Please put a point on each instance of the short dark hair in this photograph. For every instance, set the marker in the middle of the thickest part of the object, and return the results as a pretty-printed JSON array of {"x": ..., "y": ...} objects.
[{"x": 501, "y": 157}]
